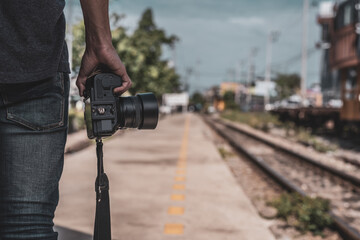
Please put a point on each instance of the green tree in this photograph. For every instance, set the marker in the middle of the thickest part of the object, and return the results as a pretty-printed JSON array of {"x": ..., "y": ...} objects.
[
  {"x": 141, "y": 52},
  {"x": 78, "y": 45},
  {"x": 197, "y": 98},
  {"x": 287, "y": 85},
  {"x": 142, "y": 56},
  {"x": 229, "y": 99}
]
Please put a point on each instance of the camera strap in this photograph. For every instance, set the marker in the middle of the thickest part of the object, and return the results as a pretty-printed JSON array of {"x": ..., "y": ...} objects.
[{"x": 102, "y": 228}]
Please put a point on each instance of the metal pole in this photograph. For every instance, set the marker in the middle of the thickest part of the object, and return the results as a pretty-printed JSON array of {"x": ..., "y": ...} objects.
[
  {"x": 250, "y": 75},
  {"x": 174, "y": 55},
  {"x": 251, "y": 65},
  {"x": 273, "y": 37},
  {"x": 268, "y": 67},
  {"x": 243, "y": 71},
  {"x": 238, "y": 81},
  {"x": 248, "y": 80},
  {"x": 238, "y": 72},
  {"x": 304, "y": 49}
]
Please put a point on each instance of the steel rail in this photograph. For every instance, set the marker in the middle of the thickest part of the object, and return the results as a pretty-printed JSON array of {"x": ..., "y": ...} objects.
[
  {"x": 344, "y": 228},
  {"x": 352, "y": 179}
]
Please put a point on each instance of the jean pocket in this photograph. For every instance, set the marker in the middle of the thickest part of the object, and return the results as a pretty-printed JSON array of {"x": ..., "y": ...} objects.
[{"x": 38, "y": 106}]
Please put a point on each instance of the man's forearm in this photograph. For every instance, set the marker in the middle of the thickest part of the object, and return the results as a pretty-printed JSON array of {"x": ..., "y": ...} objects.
[
  {"x": 96, "y": 18},
  {"x": 99, "y": 49}
]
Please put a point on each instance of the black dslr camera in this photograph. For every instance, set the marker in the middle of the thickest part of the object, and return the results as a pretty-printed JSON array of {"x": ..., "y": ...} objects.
[{"x": 105, "y": 112}]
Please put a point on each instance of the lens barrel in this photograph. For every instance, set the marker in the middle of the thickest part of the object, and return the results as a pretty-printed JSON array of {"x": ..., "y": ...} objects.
[
  {"x": 150, "y": 110},
  {"x": 140, "y": 111}
]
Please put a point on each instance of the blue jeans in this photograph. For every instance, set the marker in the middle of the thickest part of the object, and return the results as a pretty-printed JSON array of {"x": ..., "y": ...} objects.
[{"x": 33, "y": 130}]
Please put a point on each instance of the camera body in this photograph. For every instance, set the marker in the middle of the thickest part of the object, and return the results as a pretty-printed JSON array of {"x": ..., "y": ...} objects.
[{"x": 106, "y": 112}]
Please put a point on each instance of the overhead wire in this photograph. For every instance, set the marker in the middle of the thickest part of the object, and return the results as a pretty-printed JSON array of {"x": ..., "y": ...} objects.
[{"x": 294, "y": 59}]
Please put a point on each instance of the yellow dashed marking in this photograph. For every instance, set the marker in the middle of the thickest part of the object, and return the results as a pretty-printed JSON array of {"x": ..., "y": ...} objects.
[
  {"x": 174, "y": 229},
  {"x": 180, "y": 172},
  {"x": 180, "y": 179},
  {"x": 179, "y": 187},
  {"x": 176, "y": 211},
  {"x": 178, "y": 197},
  {"x": 182, "y": 166}
]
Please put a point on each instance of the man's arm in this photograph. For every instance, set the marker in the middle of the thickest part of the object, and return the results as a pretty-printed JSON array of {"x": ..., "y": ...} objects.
[{"x": 99, "y": 49}]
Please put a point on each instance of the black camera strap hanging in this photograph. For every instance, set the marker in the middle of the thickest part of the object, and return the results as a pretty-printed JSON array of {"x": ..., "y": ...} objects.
[{"x": 102, "y": 228}]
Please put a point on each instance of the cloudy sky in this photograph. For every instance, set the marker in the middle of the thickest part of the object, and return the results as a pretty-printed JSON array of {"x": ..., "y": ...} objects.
[{"x": 215, "y": 36}]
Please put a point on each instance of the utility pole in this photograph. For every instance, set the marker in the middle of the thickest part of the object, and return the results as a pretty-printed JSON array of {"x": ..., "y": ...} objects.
[
  {"x": 239, "y": 68},
  {"x": 273, "y": 36},
  {"x": 251, "y": 71},
  {"x": 173, "y": 50},
  {"x": 240, "y": 79},
  {"x": 189, "y": 71},
  {"x": 231, "y": 75},
  {"x": 253, "y": 53},
  {"x": 197, "y": 70},
  {"x": 304, "y": 49},
  {"x": 192, "y": 71},
  {"x": 238, "y": 72},
  {"x": 242, "y": 71}
]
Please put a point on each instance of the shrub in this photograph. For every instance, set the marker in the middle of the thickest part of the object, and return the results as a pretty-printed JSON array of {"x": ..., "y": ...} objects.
[
  {"x": 224, "y": 153},
  {"x": 304, "y": 213},
  {"x": 304, "y": 136}
]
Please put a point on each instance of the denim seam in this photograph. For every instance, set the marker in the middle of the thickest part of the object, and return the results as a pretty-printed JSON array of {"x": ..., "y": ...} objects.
[{"x": 25, "y": 123}]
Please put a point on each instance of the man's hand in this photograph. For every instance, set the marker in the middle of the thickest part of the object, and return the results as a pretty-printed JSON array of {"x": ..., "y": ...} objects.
[
  {"x": 107, "y": 56},
  {"x": 99, "y": 49}
]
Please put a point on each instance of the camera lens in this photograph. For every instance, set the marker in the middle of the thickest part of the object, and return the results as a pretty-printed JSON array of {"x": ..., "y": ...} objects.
[
  {"x": 150, "y": 110},
  {"x": 140, "y": 111}
]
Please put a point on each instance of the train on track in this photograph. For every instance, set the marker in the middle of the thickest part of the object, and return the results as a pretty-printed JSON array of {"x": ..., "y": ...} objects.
[{"x": 340, "y": 75}]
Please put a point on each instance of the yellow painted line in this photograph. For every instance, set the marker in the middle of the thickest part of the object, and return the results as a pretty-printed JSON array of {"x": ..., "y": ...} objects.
[
  {"x": 184, "y": 148},
  {"x": 180, "y": 172},
  {"x": 185, "y": 141},
  {"x": 174, "y": 229},
  {"x": 176, "y": 210},
  {"x": 180, "y": 179},
  {"x": 182, "y": 166},
  {"x": 179, "y": 187},
  {"x": 178, "y": 197}
]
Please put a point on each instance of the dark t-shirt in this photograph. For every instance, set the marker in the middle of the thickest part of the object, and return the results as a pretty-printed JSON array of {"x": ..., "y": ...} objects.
[{"x": 32, "y": 40}]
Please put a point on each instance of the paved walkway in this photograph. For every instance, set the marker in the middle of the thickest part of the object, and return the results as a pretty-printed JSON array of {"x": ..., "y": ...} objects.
[{"x": 165, "y": 184}]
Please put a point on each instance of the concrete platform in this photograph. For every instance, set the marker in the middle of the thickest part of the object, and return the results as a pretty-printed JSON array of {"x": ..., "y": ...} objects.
[{"x": 170, "y": 183}]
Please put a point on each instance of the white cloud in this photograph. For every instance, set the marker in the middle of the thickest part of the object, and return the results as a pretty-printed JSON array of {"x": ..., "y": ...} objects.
[{"x": 247, "y": 21}]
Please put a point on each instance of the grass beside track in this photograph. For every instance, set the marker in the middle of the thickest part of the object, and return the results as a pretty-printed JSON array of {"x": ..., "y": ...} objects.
[
  {"x": 258, "y": 120},
  {"x": 266, "y": 122}
]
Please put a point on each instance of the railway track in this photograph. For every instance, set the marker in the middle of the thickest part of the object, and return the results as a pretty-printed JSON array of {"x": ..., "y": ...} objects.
[{"x": 296, "y": 172}]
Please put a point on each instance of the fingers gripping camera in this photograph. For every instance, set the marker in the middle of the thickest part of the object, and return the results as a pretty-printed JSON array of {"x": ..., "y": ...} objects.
[{"x": 105, "y": 112}]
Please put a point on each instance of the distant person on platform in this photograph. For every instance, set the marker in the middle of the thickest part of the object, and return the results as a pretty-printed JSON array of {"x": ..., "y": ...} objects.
[{"x": 34, "y": 91}]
